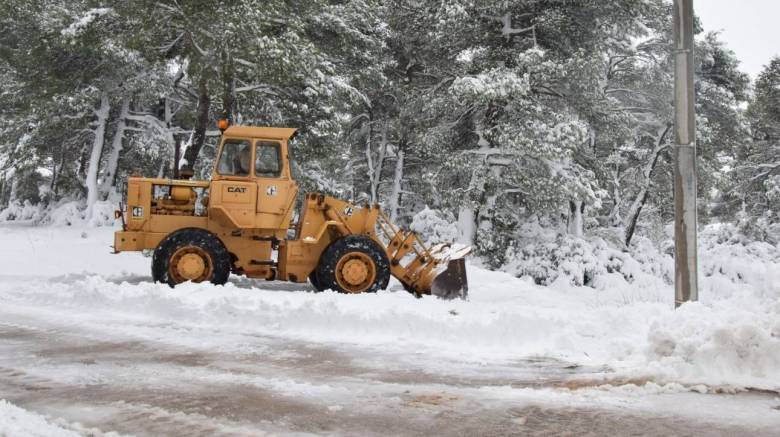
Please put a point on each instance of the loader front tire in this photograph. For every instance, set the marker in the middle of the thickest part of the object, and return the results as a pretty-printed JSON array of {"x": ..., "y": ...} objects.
[
  {"x": 353, "y": 264},
  {"x": 191, "y": 255}
]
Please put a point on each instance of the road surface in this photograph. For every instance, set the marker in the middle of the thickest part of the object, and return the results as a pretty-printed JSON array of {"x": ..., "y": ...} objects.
[{"x": 100, "y": 381}]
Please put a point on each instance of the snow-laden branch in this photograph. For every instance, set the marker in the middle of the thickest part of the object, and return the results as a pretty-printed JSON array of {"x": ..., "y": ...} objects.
[
  {"x": 261, "y": 86},
  {"x": 771, "y": 167},
  {"x": 167, "y": 47},
  {"x": 506, "y": 25},
  {"x": 79, "y": 25},
  {"x": 244, "y": 62}
]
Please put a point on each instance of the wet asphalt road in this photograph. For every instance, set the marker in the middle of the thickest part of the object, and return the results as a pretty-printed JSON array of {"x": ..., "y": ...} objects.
[{"x": 99, "y": 383}]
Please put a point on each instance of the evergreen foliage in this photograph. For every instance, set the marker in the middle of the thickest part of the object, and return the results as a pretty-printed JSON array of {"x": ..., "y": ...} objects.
[{"x": 490, "y": 113}]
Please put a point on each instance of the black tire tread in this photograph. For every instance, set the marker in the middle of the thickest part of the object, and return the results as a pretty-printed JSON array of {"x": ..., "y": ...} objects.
[
  {"x": 314, "y": 281},
  {"x": 325, "y": 275},
  {"x": 197, "y": 237}
]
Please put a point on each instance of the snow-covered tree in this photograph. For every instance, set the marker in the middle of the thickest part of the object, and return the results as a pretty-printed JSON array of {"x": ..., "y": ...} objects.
[{"x": 757, "y": 165}]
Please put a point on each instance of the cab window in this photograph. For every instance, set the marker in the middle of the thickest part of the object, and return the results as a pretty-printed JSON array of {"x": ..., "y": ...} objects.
[
  {"x": 267, "y": 162},
  {"x": 235, "y": 158}
]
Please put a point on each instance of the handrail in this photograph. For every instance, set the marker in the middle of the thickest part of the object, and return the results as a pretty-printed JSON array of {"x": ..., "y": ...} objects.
[{"x": 425, "y": 252}]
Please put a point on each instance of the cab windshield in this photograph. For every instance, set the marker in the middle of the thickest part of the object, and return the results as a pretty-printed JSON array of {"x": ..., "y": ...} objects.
[{"x": 236, "y": 158}]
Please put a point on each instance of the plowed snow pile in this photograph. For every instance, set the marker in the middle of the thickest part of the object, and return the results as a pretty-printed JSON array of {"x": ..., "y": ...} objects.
[
  {"x": 731, "y": 337},
  {"x": 15, "y": 421}
]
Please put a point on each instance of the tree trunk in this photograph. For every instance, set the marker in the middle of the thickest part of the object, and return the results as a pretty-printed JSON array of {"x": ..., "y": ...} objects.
[
  {"x": 576, "y": 218},
  {"x": 466, "y": 225},
  {"x": 55, "y": 183},
  {"x": 614, "y": 218},
  {"x": 375, "y": 170},
  {"x": 229, "y": 86},
  {"x": 369, "y": 158},
  {"x": 109, "y": 176},
  {"x": 641, "y": 197},
  {"x": 395, "y": 195},
  {"x": 54, "y": 175},
  {"x": 94, "y": 158},
  {"x": 488, "y": 209},
  {"x": 201, "y": 124},
  {"x": 633, "y": 215},
  {"x": 176, "y": 156},
  {"x": 161, "y": 170},
  {"x": 14, "y": 189},
  {"x": 3, "y": 202},
  {"x": 467, "y": 215}
]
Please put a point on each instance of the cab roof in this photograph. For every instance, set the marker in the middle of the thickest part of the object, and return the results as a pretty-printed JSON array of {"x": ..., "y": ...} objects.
[{"x": 270, "y": 133}]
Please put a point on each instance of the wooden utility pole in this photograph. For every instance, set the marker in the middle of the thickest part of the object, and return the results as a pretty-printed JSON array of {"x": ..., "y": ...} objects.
[{"x": 685, "y": 250}]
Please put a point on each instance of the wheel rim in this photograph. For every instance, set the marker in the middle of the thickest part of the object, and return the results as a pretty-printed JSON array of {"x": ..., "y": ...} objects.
[
  {"x": 355, "y": 272},
  {"x": 190, "y": 263}
]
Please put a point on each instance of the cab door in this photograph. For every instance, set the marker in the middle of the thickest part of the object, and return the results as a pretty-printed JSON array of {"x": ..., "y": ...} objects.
[
  {"x": 276, "y": 190},
  {"x": 233, "y": 193}
]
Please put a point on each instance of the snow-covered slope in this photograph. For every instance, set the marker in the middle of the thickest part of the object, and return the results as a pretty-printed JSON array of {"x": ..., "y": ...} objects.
[{"x": 731, "y": 338}]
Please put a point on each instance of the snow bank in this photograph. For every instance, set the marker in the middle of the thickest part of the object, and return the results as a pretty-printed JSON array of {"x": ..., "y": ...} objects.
[
  {"x": 733, "y": 335},
  {"x": 15, "y": 421}
]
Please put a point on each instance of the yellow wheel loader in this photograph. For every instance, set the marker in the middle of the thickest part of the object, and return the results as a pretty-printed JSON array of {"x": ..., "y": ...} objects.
[{"x": 241, "y": 222}]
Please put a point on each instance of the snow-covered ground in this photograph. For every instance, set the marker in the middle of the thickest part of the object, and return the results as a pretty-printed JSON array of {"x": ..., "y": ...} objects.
[{"x": 618, "y": 346}]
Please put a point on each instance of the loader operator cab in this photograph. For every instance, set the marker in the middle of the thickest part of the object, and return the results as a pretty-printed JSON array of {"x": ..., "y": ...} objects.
[
  {"x": 252, "y": 186},
  {"x": 236, "y": 158}
]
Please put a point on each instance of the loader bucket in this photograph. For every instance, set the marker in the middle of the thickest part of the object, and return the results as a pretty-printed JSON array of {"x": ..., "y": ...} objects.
[
  {"x": 439, "y": 270},
  {"x": 452, "y": 282},
  {"x": 442, "y": 272}
]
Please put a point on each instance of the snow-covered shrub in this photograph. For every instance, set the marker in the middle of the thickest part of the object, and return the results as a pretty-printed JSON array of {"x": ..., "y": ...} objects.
[
  {"x": 546, "y": 261},
  {"x": 434, "y": 227},
  {"x": 762, "y": 228},
  {"x": 495, "y": 239},
  {"x": 727, "y": 256},
  {"x": 548, "y": 256},
  {"x": 65, "y": 213},
  {"x": 21, "y": 211},
  {"x": 103, "y": 211}
]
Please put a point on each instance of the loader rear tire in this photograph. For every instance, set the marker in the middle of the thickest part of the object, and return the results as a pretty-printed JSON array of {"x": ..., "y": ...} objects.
[
  {"x": 191, "y": 255},
  {"x": 314, "y": 281},
  {"x": 353, "y": 264}
]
